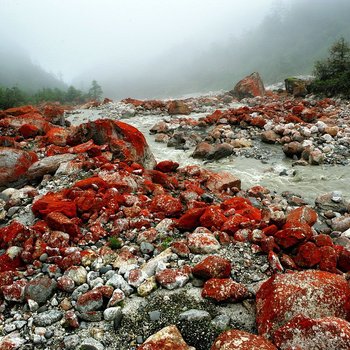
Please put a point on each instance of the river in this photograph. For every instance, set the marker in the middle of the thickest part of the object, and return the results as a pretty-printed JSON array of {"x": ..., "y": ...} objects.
[{"x": 277, "y": 173}]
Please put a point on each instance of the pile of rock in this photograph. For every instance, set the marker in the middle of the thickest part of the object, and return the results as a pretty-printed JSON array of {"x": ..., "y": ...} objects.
[{"x": 115, "y": 247}]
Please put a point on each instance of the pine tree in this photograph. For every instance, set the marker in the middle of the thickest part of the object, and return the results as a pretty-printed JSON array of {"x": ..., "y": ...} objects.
[
  {"x": 95, "y": 92},
  {"x": 333, "y": 74}
]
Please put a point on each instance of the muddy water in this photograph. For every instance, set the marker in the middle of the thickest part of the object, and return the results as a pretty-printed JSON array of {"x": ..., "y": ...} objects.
[{"x": 277, "y": 173}]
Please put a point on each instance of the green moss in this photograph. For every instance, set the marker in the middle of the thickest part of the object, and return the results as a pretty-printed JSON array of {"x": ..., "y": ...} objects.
[{"x": 115, "y": 243}]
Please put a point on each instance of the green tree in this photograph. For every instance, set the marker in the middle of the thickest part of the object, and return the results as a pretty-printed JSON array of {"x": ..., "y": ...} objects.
[
  {"x": 333, "y": 74},
  {"x": 74, "y": 95},
  {"x": 12, "y": 97},
  {"x": 95, "y": 91}
]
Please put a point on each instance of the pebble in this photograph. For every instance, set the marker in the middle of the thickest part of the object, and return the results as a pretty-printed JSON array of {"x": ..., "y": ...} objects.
[
  {"x": 111, "y": 313},
  {"x": 48, "y": 318},
  {"x": 194, "y": 315},
  {"x": 90, "y": 344}
]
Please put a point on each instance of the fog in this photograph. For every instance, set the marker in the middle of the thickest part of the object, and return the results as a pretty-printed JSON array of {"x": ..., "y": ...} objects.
[
  {"x": 71, "y": 38},
  {"x": 153, "y": 48}
]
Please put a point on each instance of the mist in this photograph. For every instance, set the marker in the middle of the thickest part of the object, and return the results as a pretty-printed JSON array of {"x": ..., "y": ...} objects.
[{"x": 162, "y": 48}]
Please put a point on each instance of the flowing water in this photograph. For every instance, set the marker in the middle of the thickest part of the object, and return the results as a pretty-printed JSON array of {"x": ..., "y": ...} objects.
[{"x": 277, "y": 173}]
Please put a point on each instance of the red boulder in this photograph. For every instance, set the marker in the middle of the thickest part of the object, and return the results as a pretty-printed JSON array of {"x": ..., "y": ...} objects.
[
  {"x": 311, "y": 293},
  {"x": 239, "y": 340}
]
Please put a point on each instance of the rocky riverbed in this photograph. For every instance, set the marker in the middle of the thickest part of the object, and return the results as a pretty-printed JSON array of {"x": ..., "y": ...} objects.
[{"x": 104, "y": 246}]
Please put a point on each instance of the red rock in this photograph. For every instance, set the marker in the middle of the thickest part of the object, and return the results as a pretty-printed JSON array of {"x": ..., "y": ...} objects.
[
  {"x": 94, "y": 182},
  {"x": 190, "y": 220},
  {"x": 323, "y": 240},
  {"x": 9, "y": 263},
  {"x": 258, "y": 122},
  {"x": 293, "y": 233},
  {"x": 257, "y": 236},
  {"x": 237, "y": 203},
  {"x": 53, "y": 113},
  {"x": 57, "y": 136},
  {"x": 311, "y": 293},
  {"x": 202, "y": 242},
  {"x": 162, "y": 179},
  {"x": 168, "y": 338},
  {"x": 180, "y": 248},
  {"x": 166, "y": 204},
  {"x": 250, "y": 86},
  {"x": 60, "y": 222},
  {"x": 234, "y": 223},
  {"x": 250, "y": 213},
  {"x": 304, "y": 215},
  {"x": 225, "y": 290},
  {"x": 13, "y": 234},
  {"x": 178, "y": 107},
  {"x": 16, "y": 111},
  {"x": 212, "y": 267},
  {"x": 28, "y": 131},
  {"x": 167, "y": 166},
  {"x": 54, "y": 202},
  {"x": 15, "y": 291},
  {"x": 66, "y": 284},
  {"x": 14, "y": 164},
  {"x": 306, "y": 333},
  {"x": 287, "y": 262},
  {"x": 213, "y": 118},
  {"x": 223, "y": 181},
  {"x": 89, "y": 301},
  {"x": 274, "y": 262},
  {"x": 308, "y": 255},
  {"x": 71, "y": 320},
  {"x": 239, "y": 340},
  {"x": 268, "y": 244},
  {"x": 212, "y": 217},
  {"x": 126, "y": 142},
  {"x": 329, "y": 258},
  {"x": 343, "y": 259},
  {"x": 6, "y": 278},
  {"x": 173, "y": 278}
]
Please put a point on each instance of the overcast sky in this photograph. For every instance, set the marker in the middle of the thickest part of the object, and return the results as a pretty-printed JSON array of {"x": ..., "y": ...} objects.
[{"x": 71, "y": 36}]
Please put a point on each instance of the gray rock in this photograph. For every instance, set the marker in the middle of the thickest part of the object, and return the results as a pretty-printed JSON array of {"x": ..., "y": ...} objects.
[
  {"x": 111, "y": 313},
  {"x": 80, "y": 290},
  {"x": 194, "y": 315},
  {"x": 71, "y": 342},
  {"x": 48, "y": 165},
  {"x": 221, "y": 322},
  {"x": 333, "y": 201},
  {"x": 40, "y": 289},
  {"x": 91, "y": 344},
  {"x": 341, "y": 224},
  {"x": 154, "y": 315},
  {"x": 48, "y": 318},
  {"x": 117, "y": 281},
  {"x": 91, "y": 316}
]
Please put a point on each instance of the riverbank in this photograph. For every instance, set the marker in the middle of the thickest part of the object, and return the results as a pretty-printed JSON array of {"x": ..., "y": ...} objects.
[{"x": 103, "y": 245}]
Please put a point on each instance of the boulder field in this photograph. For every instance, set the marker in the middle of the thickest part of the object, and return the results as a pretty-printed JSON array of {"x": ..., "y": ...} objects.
[{"x": 101, "y": 247}]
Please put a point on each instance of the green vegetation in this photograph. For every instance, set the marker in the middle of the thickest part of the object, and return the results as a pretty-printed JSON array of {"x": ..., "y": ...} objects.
[
  {"x": 333, "y": 74},
  {"x": 95, "y": 91},
  {"x": 115, "y": 243},
  {"x": 14, "y": 96}
]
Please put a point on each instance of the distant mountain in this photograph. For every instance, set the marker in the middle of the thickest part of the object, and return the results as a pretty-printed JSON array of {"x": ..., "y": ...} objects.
[{"x": 17, "y": 69}]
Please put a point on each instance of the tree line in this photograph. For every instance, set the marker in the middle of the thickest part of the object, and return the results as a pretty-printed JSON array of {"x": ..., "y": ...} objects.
[{"x": 15, "y": 96}]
